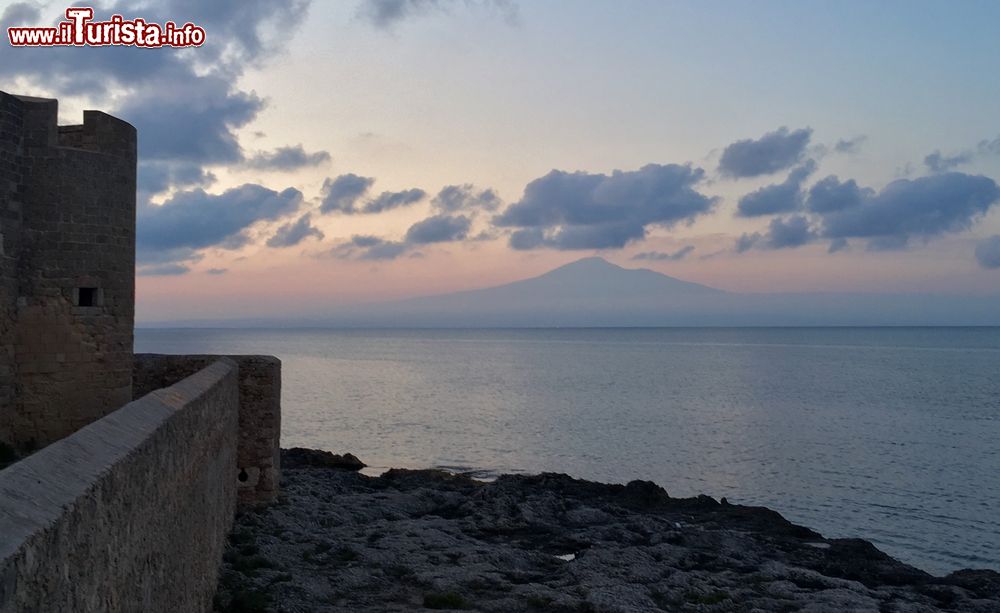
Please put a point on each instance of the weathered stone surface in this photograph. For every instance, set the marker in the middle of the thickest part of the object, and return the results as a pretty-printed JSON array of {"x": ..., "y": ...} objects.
[
  {"x": 412, "y": 540},
  {"x": 129, "y": 513},
  {"x": 259, "y": 450},
  {"x": 67, "y": 221},
  {"x": 297, "y": 457}
]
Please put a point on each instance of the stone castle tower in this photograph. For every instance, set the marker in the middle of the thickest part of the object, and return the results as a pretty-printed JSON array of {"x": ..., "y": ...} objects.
[{"x": 67, "y": 270}]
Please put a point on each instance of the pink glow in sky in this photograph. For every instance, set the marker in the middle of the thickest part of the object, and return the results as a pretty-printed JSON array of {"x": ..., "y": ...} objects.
[{"x": 300, "y": 159}]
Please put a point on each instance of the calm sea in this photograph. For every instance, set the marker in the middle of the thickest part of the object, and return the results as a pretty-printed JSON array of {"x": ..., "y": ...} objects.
[{"x": 889, "y": 434}]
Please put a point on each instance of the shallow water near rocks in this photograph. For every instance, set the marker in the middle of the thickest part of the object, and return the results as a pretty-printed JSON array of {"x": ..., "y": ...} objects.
[{"x": 888, "y": 434}]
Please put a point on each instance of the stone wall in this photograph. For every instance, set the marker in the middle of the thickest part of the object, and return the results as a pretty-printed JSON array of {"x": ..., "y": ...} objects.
[
  {"x": 258, "y": 451},
  {"x": 131, "y": 512},
  {"x": 74, "y": 291},
  {"x": 11, "y": 139}
]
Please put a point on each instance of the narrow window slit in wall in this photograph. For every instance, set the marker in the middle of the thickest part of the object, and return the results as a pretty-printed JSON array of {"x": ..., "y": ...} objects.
[{"x": 87, "y": 297}]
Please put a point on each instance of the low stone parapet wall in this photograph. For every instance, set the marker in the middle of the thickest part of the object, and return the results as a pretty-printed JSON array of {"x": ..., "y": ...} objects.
[
  {"x": 259, "y": 448},
  {"x": 131, "y": 512}
]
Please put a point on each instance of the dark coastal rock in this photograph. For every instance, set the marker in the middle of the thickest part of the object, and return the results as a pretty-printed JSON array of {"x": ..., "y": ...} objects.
[
  {"x": 983, "y": 583},
  {"x": 416, "y": 540},
  {"x": 859, "y": 560},
  {"x": 645, "y": 494},
  {"x": 297, "y": 457}
]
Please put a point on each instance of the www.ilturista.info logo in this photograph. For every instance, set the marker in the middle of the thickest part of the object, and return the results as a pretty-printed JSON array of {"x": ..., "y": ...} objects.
[{"x": 81, "y": 30}]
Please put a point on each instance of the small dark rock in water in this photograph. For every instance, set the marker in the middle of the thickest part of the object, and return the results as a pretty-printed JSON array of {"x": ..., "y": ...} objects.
[
  {"x": 340, "y": 541},
  {"x": 297, "y": 457}
]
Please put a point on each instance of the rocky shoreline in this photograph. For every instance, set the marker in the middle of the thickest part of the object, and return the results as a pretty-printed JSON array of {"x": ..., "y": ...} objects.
[{"x": 417, "y": 540}]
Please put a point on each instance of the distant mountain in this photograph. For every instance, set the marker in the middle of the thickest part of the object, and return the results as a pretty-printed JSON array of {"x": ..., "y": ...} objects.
[
  {"x": 595, "y": 279},
  {"x": 593, "y": 292},
  {"x": 588, "y": 292}
]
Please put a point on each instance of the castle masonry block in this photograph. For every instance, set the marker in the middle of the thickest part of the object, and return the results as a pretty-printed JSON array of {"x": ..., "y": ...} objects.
[{"x": 67, "y": 270}]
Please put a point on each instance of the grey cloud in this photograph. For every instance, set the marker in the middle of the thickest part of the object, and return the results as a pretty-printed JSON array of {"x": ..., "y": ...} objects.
[
  {"x": 247, "y": 30},
  {"x": 524, "y": 240},
  {"x": 196, "y": 220},
  {"x": 365, "y": 240},
  {"x": 173, "y": 255},
  {"x": 988, "y": 252},
  {"x": 936, "y": 162},
  {"x": 778, "y": 198},
  {"x": 435, "y": 229},
  {"x": 366, "y": 247},
  {"x": 791, "y": 232},
  {"x": 603, "y": 236},
  {"x": 93, "y": 71},
  {"x": 242, "y": 32},
  {"x": 924, "y": 207},
  {"x": 287, "y": 158},
  {"x": 829, "y": 195},
  {"x": 387, "y": 13},
  {"x": 386, "y": 250},
  {"x": 747, "y": 242},
  {"x": 484, "y": 235},
  {"x": 181, "y": 114},
  {"x": 190, "y": 175},
  {"x": 217, "y": 271},
  {"x": 21, "y": 14},
  {"x": 161, "y": 270},
  {"x": 342, "y": 194},
  {"x": 849, "y": 146},
  {"x": 595, "y": 211},
  {"x": 293, "y": 233},
  {"x": 768, "y": 154},
  {"x": 157, "y": 176},
  {"x": 655, "y": 256},
  {"x": 186, "y": 106},
  {"x": 991, "y": 147},
  {"x": 455, "y": 198},
  {"x": 438, "y": 229},
  {"x": 194, "y": 122},
  {"x": 386, "y": 201}
]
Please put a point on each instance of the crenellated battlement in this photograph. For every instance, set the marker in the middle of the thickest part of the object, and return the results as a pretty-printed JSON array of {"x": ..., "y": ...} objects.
[{"x": 99, "y": 132}]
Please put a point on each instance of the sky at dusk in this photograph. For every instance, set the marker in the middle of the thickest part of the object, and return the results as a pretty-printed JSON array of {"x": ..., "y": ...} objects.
[{"x": 329, "y": 153}]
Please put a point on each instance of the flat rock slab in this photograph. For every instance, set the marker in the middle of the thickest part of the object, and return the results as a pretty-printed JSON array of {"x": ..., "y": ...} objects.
[{"x": 419, "y": 540}]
